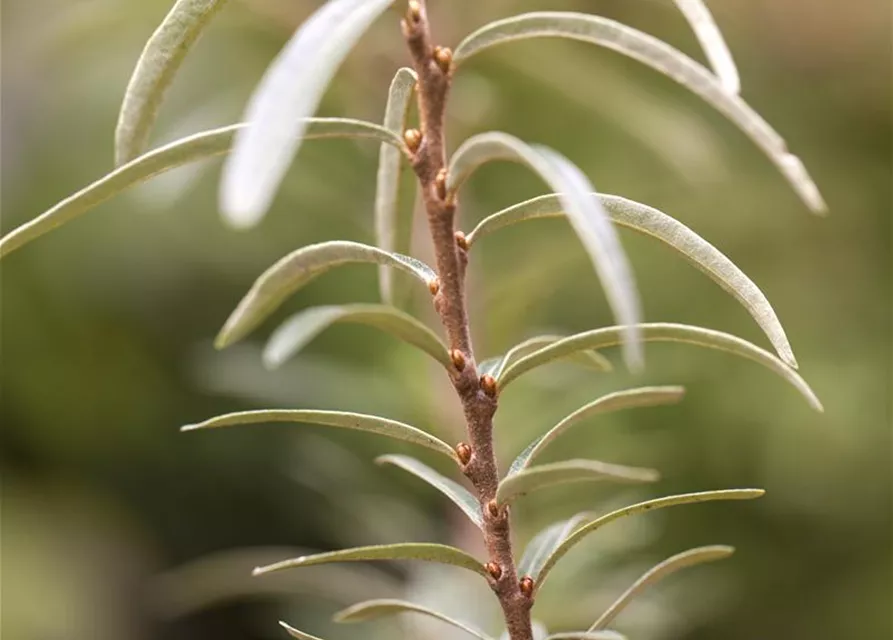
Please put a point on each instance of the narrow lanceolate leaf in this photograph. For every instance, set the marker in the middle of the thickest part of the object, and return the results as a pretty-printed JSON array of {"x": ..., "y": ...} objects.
[
  {"x": 297, "y": 269},
  {"x": 660, "y": 56},
  {"x": 626, "y": 399},
  {"x": 544, "y": 544},
  {"x": 545, "y": 475},
  {"x": 294, "y": 633},
  {"x": 196, "y": 147},
  {"x": 293, "y": 334},
  {"x": 393, "y": 217},
  {"x": 587, "y": 635},
  {"x": 154, "y": 72},
  {"x": 663, "y": 332},
  {"x": 714, "y": 45},
  {"x": 587, "y": 217},
  {"x": 404, "y": 551},
  {"x": 670, "y": 565},
  {"x": 656, "y": 224},
  {"x": 451, "y": 489},
  {"x": 374, "y": 609},
  {"x": 641, "y": 507},
  {"x": 290, "y": 90},
  {"x": 495, "y": 366},
  {"x": 340, "y": 419}
]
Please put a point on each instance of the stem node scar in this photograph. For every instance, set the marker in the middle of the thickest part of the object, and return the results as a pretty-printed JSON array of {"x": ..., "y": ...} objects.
[{"x": 493, "y": 509}]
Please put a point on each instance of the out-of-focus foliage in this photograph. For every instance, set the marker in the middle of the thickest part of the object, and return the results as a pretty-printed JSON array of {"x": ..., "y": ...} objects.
[{"x": 117, "y": 526}]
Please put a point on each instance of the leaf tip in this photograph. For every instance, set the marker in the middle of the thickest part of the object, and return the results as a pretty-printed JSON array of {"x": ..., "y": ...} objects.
[{"x": 190, "y": 427}]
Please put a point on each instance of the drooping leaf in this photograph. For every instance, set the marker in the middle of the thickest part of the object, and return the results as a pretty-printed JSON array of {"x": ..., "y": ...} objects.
[
  {"x": 587, "y": 635},
  {"x": 545, "y": 475},
  {"x": 628, "y": 398},
  {"x": 660, "y": 56},
  {"x": 714, "y": 45},
  {"x": 293, "y": 334},
  {"x": 664, "y": 332},
  {"x": 426, "y": 551},
  {"x": 544, "y": 544},
  {"x": 640, "y": 507},
  {"x": 290, "y": 90},
  {"x": 196, "y": 147},
  {"x": 297, "y": 269},
  {"x": 155, "y": 70},
  {"x": 656, "y": 224},
  {"x": 294, "y": 633},
  {"x": 393, "y": 215},
  {"x": 340, "y": 419},
  {"x": 670, "y": 565},
  {"x": 495, "y": 366},
  {"x": 374, "y": 609},
  {"x": 451, "y": 489},
  {"x": 586, "y": 215}
]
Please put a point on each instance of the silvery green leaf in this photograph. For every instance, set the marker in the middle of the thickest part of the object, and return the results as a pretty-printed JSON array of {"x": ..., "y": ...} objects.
[
  {"x": 294, "y": 633},
  {"x": 641, "y": 507},
  {"x": 660, "y": 56},
  {"x": 544, "y": 544},
  {"x": 670, "y": 565},
  {"x": 546, "y": 475},
  {"x": 656, "y": 224},
  {"x": 714, "y": 45},
  {"x": 290, "y": 90},
  {"x": 628, "y": 398},
  {"x": 495, "y": 366},
  {"x": 341, "y": 419},
  {"x": 393, "y": 217},
  {"x": 451, "y": 489},
  {"x": 297, "y": 269},
  {"x": 293, "y": 334},
  {"x": 426, "y": 551},
  {"x": 159, "y": 62},
  {"x": 587, "y": 635},
  {"x": 374, "y": 609},
  {"x": 196, "y": 147},
  {"x": 663, "y": 332},
  {"x": 586, "y": 215}
]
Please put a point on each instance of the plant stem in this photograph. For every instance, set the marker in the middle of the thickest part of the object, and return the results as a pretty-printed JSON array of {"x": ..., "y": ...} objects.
[{"x": 429, "y": 162}]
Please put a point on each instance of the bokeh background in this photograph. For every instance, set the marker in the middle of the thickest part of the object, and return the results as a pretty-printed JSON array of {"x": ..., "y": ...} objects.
[{"x": 115, "y": 526}]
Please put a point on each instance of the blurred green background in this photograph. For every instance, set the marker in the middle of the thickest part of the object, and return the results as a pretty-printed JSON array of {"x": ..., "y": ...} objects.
[{"x": 115, "y": 526}]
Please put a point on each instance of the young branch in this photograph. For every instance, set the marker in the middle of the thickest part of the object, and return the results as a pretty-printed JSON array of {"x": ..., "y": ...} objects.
[{"x": 478, "y": 395}]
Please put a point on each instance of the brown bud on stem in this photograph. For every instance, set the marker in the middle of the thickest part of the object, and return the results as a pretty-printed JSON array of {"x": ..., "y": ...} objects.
[
  {"x": 440, "y": 184},
  {"x": 461, "y": 241},
  {"x": 434, "y": 287},
  {"x": 526, "y": 585},
  {"x": 494, "y": 570},
  {"x": 413, "y": 11},
  {"x": 463, "y": 451},
  {"x": 488, "y": 384},
  {"x": 443, "y": 56},
  {"x": 458, "y": 359},
  {"x": 493, "y": 509},
  {"x": 412, "y": 138}
]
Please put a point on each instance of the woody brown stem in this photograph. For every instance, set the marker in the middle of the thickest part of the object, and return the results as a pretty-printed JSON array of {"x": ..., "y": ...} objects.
[{"x": 478, "y": 397}]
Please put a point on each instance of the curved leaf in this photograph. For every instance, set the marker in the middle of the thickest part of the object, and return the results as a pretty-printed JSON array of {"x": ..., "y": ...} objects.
[
  {"x": 586, "y": 215},
  {"x": 587, "y": 635},
  {"x": 393, "y": 218},
  {"x": 714, "y": 45},
  {"x": 544, "y": 544},
  {"x": 628, "y": 398},
  {"x": 297, "y": 269},
  {"x": 451, "y": 489},
  {"x": 657, "y": 55},
  {"x": 544, "y": 475},
  {"x": 340, "y": 419},
  {"x": 291, "y": 336},
  {"x": 656, "y": 224},
  {"x": 294, "y": 633},
  {"x": 641, "y": 507},
  {"x": 196, "y": 147},
  {"x": 429, "y": 552},
  {"x": 663, "y": 332},
  {"x": 670, "y": 565},
  {"x": 290, "y": 90},
  {"x": 495, "y": 366},
  {"x": 159, "y": 62},
  {"x": 374, "y": 609}
]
